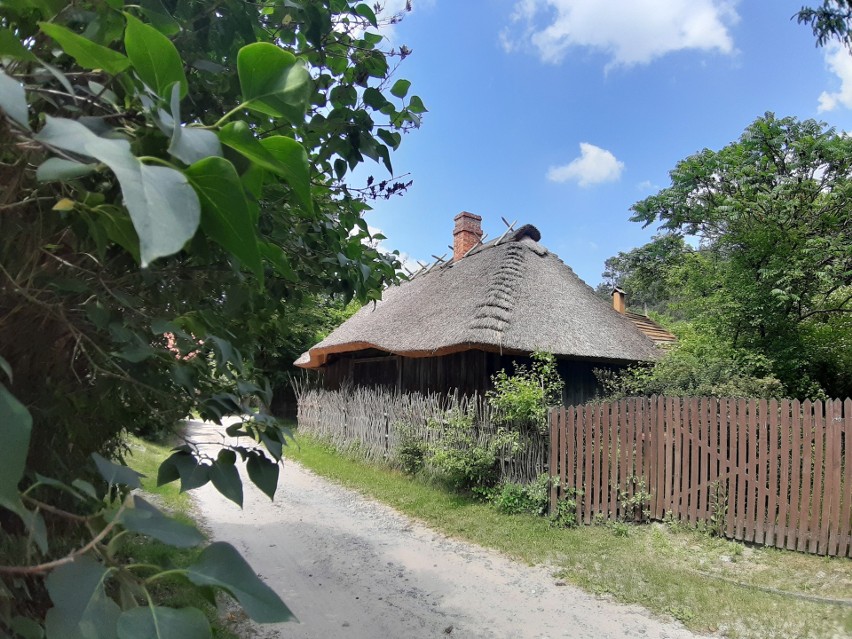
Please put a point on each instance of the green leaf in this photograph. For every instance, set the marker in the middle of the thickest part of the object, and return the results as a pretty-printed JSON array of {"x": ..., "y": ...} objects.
[
  {"x": 147, "y": 520},
  {"x": 373, "y": 98},
  {"x": 15, "y": 428},
  {"x": 81, "y": 608},
  {"x": 88, "y": 54},
  {"x": 26, "y": 628},
  {"x": 154, "y": 57},
  {"x": 11, "y": 47},
  {"x": 190, "y": 144},
  {"x": 226, "y": 479},
  {"x": 163, "y": 206},
  {"x": 391, "y": 138},
  {"x": 225, "y": 215},
  {"x": 416, "y": 105},
  {"x": 117, "y": 473},
  {"x": 158, "y": 622},
  {"x": 59, "y": 169},
  {"x": 263, "y": 473},
  {"x": 239, "y": 137},
  {"x": 296, "y": 168},
  {"x": 222, "y": 566},
  {"x": 192, "y": 474},
  {"x": 273, "y": 82},
  {"x": 400, "y": 88},
  {"x": 367, "y": 13},
  {"x": 13, "y": 100}
]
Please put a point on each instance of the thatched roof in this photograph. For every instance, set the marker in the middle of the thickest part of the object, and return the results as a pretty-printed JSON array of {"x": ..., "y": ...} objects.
[{"x": 513, "y": 296}]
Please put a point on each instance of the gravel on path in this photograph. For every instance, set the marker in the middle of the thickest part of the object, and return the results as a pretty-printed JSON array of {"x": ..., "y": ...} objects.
[{"x": 348, "y": 566}]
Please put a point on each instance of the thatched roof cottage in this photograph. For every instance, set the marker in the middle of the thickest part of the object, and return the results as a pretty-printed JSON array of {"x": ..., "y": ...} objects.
[{"x": 463, "y": 320}]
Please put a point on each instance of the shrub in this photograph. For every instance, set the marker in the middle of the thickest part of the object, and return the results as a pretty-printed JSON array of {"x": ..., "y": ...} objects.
[
  {"x": 462, "y": 458},
  {"x": 565, "y": 515},
  {"x": 526, "y": 395},
  {"x": 411, "y": 453},
  {"x": 513, "y": 499}
]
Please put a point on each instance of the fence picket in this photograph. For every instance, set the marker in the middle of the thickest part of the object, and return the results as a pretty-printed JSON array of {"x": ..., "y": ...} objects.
[
  {"x": 807, "y": 475},
  {"x": 845, "y": 536},
  {"x": 831, "y": 504}
]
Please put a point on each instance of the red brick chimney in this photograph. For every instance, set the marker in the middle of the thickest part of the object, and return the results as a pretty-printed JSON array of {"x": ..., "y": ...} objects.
[{"x": 467, "y": 233}]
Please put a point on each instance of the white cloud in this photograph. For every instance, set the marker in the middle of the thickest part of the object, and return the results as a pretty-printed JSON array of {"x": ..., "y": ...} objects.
[
  {"x": 839, "y": 61},
  {"x": 629, "y": 31},
  {"x": 595, "y": 165}
]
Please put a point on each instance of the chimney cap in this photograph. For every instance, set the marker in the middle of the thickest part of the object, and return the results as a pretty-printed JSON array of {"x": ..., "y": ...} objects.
[
  {"x": 618, "y": 289},
  {"x": 468, "y": 214}
]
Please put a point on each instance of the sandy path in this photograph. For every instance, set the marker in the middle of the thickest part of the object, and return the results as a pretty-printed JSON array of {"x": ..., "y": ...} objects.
[{"x": 351, "y": 567}]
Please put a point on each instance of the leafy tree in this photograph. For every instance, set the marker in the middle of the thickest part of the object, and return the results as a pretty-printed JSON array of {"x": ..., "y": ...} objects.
[
  {"x": 774, "y": 272},
  {"x": 831, "y": 20},
  {"x": 648, "y": 273},
  {"x": 173, "y": 189}
]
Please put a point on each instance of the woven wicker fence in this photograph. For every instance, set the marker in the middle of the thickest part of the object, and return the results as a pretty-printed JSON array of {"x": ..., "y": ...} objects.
[{"x": 372, "y": 421}]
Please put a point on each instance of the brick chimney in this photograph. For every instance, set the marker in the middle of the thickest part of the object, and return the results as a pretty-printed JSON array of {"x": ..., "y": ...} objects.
[
  {"x": 619, "y": 300},
  {"x": 466, "y": 234}
]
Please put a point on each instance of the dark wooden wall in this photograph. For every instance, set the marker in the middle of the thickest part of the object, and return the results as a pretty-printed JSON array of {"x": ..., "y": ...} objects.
[{"x": 468, "y": 371}]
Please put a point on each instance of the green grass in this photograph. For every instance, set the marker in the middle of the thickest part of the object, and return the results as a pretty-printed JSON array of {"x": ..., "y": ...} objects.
[
  {"x": 177, "y": 592},
  {"x": 670, "y": 570}
]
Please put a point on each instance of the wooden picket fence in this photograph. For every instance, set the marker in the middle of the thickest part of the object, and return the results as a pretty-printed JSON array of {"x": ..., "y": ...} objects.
[{"x": 773, "y": 472}]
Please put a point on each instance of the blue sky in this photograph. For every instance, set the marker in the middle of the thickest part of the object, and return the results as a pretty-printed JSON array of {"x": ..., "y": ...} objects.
[{"x": 563, "y": 113}]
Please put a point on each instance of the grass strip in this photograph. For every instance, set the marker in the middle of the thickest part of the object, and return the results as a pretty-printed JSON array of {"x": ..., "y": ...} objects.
[{"x": 657, "y": 566}]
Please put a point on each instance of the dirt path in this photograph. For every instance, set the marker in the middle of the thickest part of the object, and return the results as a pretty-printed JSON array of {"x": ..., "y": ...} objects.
[{"x": 351, "y": 567}]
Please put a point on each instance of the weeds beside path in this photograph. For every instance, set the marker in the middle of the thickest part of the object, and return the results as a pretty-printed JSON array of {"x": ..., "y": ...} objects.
[{"x": 710, "y": 584}]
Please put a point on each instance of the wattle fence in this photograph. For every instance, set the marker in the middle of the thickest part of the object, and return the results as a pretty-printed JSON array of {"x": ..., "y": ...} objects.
[
  {"x": 773, "y": 472},
  {"x": 373, "y": 422}
]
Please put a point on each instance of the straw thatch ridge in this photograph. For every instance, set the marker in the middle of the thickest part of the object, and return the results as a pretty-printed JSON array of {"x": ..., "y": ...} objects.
[{"x": 510, "y": 296}]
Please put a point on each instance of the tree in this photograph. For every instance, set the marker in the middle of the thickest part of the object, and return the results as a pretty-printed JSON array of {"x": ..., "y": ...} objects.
[
  {"x": 831, "y": 20},
  {"x": 173, "y": 185},
  {"x": 774, "y": 271}
]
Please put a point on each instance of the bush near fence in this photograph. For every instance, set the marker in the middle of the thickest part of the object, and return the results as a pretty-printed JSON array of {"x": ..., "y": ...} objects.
[
  {"x": 773, "y": 472},
  {"x": 377, "y": 422}
]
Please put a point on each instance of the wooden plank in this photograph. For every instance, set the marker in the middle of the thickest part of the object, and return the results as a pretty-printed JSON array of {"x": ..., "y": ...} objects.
[
  {"x": 575, "y": 441},
  {"x": 750, "y": 471},
  {"x": 703, "y": 459},
  {"x": 831, "y": 504},
  {"x": 553, "y": 418},
  {"x": 606, "y": 426},
  {"x": 596, "y": 470},
  {"x": 677, "y": 455},
  {"x": 638, "y": 445},
  {"x": 845, "y": 540},
  {"x": 727, "y": 438},
  {"x": 712, "y": 449},
  {"x": 772, "y": 473},
  {"x": 659, "y": 455},
  {"x": 795, "y": 474},
  {"x": 588, "y": 447},
  {"x": 624, "y": 450},
  {"x": 617, "y": 428},
  {"x": 694, "y": 455},
  {"x": 741, "y": 439},
  {"x": 668, "y": 454},
  {"x": 628, "y": 478},
  {"x": 807, "y": 475},
  {"x": 761, "y": 459},
  {"x": 565, "y": 461},
  {"x": 817, "y": 497},
  {"x": 785, "y": 455}
]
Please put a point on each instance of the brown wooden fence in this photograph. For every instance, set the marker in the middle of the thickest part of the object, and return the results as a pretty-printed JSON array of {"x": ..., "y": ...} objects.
[{"x": 773, "y": 472}]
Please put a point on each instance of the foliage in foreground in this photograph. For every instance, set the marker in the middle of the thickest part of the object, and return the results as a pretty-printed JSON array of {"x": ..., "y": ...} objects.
[{"x": 173, "y": 191}]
